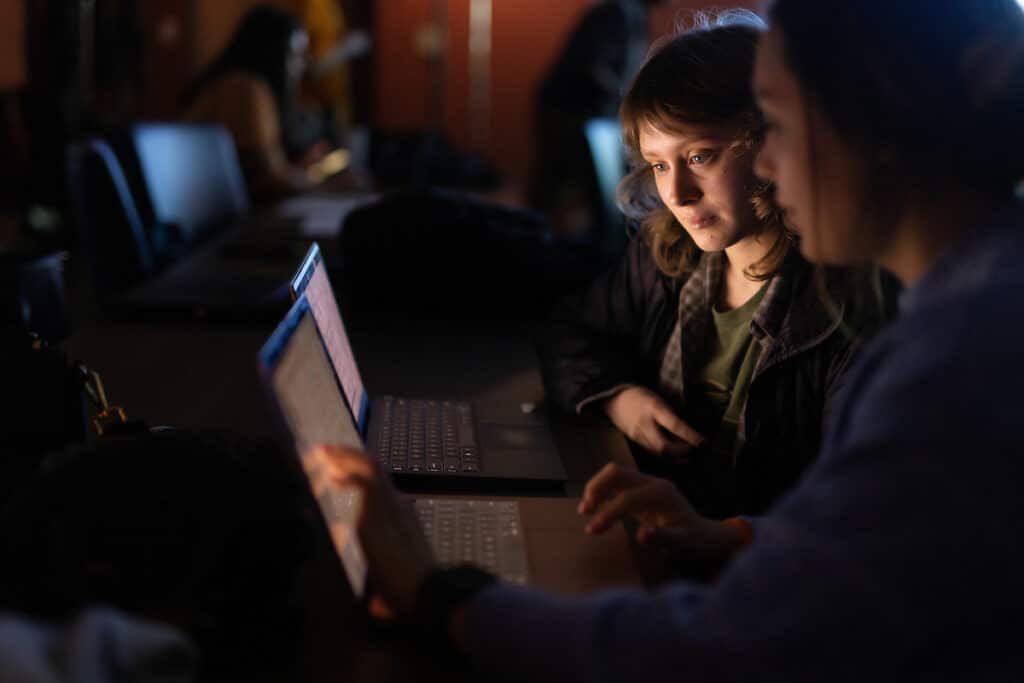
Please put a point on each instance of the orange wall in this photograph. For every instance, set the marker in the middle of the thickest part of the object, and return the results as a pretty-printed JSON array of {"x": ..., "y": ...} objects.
[
  {"x": 12, "y": 44},
  {"x": 526, "y": 36}
]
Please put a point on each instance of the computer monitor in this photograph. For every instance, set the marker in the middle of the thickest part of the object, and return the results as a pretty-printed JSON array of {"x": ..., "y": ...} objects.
[{"x": 192, "y": 175}]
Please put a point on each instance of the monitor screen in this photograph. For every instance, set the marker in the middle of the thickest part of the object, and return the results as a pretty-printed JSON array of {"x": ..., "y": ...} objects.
[
  {"x": 192, "y": 175},
  {"x": 312, "y": 281},
  {"x": 313, "y": 407}
]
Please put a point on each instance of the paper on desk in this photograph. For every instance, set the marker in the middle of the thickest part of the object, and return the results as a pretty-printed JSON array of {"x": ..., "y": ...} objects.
[{"x": 322, "y": 216}]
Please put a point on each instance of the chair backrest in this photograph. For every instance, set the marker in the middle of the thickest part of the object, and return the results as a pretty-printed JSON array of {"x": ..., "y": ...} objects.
[
  {"x": 604, "y": 138},
  {"x": 111, "y": 231},
  {"x": 192, "y": 175}
]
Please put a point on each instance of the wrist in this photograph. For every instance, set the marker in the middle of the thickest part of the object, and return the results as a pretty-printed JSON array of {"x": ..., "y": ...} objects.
[
  {"x": 442, "y": 595},
  {"x": 721, "y": 540},
  {"x": 739, "y": 531}
]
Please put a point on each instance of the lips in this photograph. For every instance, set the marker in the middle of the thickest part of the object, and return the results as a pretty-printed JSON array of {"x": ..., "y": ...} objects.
[{"x": 701, "y": 222}]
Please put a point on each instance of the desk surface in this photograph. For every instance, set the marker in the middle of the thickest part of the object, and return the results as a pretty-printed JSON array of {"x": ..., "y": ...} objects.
[{"x": 204, "y": 377}]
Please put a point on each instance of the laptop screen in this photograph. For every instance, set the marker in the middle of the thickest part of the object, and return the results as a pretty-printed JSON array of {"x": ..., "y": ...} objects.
[
  {"x": 311, "y": 280},
  {"x": 296, "y": 366},
  {"x": 192, "y": 174}
]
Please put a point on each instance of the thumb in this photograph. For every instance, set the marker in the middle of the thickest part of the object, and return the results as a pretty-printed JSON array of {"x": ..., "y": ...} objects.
[{"x": 671, "y": 540}]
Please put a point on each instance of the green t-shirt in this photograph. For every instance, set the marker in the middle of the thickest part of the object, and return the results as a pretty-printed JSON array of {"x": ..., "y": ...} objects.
[{"x": 715, "y": 398}]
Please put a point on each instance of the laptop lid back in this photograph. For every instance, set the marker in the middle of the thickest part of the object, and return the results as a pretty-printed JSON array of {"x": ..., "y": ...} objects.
[
  {"x": 295, "y": 367},
  {"x": 311, "y": 280}
]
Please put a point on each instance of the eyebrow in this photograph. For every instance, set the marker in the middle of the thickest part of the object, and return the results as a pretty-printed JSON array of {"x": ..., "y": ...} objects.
[{"x": 705, "y": 141}]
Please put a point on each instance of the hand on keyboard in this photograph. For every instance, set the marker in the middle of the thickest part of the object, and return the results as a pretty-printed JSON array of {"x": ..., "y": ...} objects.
[
  {"x": 399, "y": 555},
  {"x": 666, "y": 519}
]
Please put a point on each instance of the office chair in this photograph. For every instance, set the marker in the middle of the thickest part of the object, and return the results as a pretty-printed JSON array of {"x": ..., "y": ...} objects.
[
  {"x": 145, "y": 197},
  {"x": 604, "y": 139},
  {"x": 113, "y": 236}
]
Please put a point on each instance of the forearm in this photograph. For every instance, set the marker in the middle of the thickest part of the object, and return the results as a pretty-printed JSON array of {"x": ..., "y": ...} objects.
[{"x": 522, "y": 634}]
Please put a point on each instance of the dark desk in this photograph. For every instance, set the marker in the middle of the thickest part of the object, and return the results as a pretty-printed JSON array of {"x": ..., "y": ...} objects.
[{"x": 204, "y": 377}]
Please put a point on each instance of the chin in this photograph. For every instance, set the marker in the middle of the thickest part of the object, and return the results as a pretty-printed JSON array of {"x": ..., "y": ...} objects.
[{"x": 709, "y": 242}]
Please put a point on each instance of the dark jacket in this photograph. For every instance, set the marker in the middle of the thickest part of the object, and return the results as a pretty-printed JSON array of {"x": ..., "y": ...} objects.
[{"x": 615, "y": 334}]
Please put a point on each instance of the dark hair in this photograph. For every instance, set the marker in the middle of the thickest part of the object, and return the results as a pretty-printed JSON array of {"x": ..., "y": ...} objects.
[
  {"x": 698, "y": 76},
  {"x": 932, "y": 89},
  {"x": 259, "y": 46}
]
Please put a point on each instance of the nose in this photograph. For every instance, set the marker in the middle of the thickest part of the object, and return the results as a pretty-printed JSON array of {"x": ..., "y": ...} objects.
[{"x": 684, "y": 188}]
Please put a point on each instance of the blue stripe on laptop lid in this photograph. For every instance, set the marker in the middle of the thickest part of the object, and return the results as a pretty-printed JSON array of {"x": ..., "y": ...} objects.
[{"x": 305, "y": 272}]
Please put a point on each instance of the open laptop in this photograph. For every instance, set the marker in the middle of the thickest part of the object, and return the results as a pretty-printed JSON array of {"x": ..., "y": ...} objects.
[
  {"x": 153, "y": 219},
  {"x": 432, "y": 442},
  {"x": 298, "y": 375}
]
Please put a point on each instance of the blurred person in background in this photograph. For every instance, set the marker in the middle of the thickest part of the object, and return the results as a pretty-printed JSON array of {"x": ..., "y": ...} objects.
[
  {"x": 252, "y": 88},
  {"x": 586, "y": 80}
]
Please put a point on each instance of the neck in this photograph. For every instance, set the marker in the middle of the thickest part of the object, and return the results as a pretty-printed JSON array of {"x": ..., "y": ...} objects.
[
  {"x": 741, "y": 256},
  {"x": 736, "y": 287},
  {"x": 927, "y": 228}
]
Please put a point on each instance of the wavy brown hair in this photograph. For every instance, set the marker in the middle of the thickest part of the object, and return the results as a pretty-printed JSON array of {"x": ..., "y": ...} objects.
[{"x": 700, "y": 76}]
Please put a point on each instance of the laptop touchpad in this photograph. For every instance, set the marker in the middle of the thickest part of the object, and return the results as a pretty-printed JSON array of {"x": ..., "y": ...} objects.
[{"x": 514, "y": 437}]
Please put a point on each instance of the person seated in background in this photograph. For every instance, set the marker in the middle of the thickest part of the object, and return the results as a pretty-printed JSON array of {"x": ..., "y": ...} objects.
[
  {"x": 332, "y": 48},
  {"x": 898, "y": 555},
  {"x": 601, "y": 54},
  {"x": 252, "y": 88},
  {"x": 711, "y": 344}
]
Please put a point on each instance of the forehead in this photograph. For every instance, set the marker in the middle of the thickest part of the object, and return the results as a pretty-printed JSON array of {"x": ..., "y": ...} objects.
[
  {"x": 652, "y": 137},
  {"x": 772, "y": 81}
]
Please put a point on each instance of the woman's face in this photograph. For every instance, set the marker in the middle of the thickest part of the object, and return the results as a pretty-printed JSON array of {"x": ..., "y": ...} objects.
[
  {"x": 819, "y": 179},
  {"x": 706, "y": 180}
]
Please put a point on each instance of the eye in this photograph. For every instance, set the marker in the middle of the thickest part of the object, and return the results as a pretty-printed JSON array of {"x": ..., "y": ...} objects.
[
  {"x": 701, "y": 158},
  {"x": 658, "y": 167}
]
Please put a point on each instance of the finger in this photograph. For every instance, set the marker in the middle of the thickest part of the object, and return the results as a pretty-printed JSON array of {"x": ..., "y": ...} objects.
[
  {"x": 380, "y": 610},
  {"x": 661, "y": 536},
  {"x": 676, "y": 543},
  {"x": 676, "y": 451},
  {"x": 676, "y": 426},
  {"x": 345, "y": 459},
  {"x": 621, "y": 505},
  {"x": 604, "y": 484},
  {"x": 667, "y": 445}
]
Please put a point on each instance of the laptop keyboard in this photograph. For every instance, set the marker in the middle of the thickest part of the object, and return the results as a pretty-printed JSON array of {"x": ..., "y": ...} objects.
[
  {"x": 487, "y": 533},
  {"x": 424, "y": 436}
]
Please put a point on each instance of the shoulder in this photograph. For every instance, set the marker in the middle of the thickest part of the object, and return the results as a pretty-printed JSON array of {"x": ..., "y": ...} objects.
[
  {"x": 947, "y": 371},
  {"x": 857, "y": 301},
  {"x": 247, "y": 88}
]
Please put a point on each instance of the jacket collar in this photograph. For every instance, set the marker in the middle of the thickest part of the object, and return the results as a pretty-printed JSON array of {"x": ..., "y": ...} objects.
[
  {"x": 791, "y": 318},
  {"x": 796, "y": 314}
]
